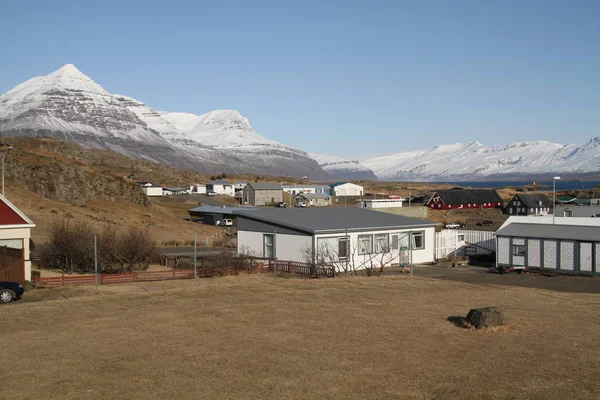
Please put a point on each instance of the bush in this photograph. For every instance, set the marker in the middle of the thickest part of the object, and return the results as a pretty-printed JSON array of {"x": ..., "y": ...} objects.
[{"x": 70, "y": 248}]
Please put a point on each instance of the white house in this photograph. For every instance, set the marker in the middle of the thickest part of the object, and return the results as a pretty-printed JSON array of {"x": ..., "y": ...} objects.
[
  {"x": 346, "y": 189},
  {"x": 15, "y": 232},
  {"x": 152, "y": 191},
  {"x": 220, "y": 187},
  {"x": 169, "y": 191},
  {"x": 351, "y": 237},
  {"x": 380, "y": 203},
  {"x": 308, "y": 189},
  {"x": 198, "y": 189}
]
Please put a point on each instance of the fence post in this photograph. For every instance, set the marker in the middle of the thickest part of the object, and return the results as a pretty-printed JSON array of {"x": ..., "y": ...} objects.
[
  {"x": 195, "y": 259},
  {"x": 96, "y": 264}
]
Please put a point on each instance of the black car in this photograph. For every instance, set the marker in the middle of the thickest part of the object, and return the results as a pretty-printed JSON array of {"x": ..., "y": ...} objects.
[
  {"x": 485, "y": 222},
  {"x": 10, "y": 291}
]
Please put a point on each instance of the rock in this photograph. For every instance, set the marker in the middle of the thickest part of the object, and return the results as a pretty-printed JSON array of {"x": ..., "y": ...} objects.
[{"x": 485, "y": 317}]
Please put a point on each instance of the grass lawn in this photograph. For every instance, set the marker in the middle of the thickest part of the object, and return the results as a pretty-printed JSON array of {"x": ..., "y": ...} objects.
[{"x": 253, "y": 337}]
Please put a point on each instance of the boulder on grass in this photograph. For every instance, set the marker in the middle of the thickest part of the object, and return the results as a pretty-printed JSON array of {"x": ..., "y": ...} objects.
[{"x": 485, "y": 317}]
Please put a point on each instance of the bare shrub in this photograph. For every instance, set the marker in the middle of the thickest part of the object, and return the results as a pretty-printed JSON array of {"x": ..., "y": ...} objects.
[{"x": 70, "y": 248}]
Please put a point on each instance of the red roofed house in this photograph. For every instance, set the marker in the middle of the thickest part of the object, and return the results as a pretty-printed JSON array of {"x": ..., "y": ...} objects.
[{"x": 15, "y": 231}]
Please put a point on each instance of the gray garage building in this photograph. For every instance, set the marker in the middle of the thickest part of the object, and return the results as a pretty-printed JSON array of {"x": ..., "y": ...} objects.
[{"x": 567, "y": 248}]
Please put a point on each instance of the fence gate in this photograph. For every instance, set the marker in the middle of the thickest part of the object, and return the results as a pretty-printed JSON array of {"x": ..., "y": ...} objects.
[{"x": 12, "y": 265}]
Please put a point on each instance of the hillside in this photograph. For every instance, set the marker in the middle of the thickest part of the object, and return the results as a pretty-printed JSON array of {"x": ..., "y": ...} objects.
[{"x": 47, "y": 179}]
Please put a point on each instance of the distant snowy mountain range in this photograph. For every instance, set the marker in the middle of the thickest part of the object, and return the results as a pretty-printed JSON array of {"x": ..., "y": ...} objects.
[{"x": 68, "y": 105}]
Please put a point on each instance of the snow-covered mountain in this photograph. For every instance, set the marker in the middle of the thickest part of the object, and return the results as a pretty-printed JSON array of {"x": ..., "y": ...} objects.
[
  {"x": 466, "y": 161},
  {"x": 230, "y": 132},
  {"x": 342, "y": 168},
  {"x": 68, "y": 105}
]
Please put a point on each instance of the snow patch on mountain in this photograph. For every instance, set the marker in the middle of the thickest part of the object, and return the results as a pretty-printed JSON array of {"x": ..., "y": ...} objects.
[{"x": 342, "y": 168}]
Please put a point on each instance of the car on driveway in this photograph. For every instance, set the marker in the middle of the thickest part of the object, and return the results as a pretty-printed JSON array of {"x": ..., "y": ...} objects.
[
  {"x": 453, "y": 226},
  {"x": 10, "y": 291}
]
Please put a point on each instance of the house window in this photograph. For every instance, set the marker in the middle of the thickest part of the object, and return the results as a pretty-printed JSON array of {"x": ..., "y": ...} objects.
[
  {"x": 461, "y": 238},
  {"x": 395, "y": 242},
  {"x": 343, "y": 248},
  {"x": 268, "y": 246},
  {"x": 531, "y": 210},
  {"x": 365, "y": 244},
  {"x": 418, "y": 240},
  {"x": 568, "y": 213},
  {"x": 382, "y": 244},
  {"x": 518, "y": 250},
  {"x": 510, "y": 210},
  {"x": 518, "y": 203}
]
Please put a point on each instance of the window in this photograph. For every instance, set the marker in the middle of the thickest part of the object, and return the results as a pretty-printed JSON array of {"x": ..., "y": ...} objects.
[
  {"x": 418, "y": 240},
  {"x": 382, "y": 244},
  {"x": 365, "y": 244},
  {"x": 568, "y": 213},
  {"x": 510, "y": 210},
  {"x": 461, "y": 238},
  {"x": 531, "y": 210},
  {"x": 518, "y": 203},
  {"x": 343, "y": 248},
  {"x": 519, "y": 250},
  {"x": 268, "y": 246},
  {"x": 395, "y": 242}
]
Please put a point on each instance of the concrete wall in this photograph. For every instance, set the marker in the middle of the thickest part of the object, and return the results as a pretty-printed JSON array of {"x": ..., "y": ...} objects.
[
  {"x": 23, "y": 234},
  {"x": 533, "y": 253},
  {"x": 413, "y": 212}
]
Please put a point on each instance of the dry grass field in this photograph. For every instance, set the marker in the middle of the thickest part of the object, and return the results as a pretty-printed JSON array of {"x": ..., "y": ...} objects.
[{"x": 254, "y": 337}]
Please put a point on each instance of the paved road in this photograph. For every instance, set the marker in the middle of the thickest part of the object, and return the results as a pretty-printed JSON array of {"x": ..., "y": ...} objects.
[{"x": 481, "y": 276}]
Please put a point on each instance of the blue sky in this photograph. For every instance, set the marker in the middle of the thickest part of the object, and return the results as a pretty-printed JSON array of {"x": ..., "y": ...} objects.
[{"x": 338, "y": 77}]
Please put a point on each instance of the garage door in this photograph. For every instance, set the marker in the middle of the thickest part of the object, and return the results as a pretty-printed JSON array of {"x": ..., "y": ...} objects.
[{"x": 12, "y": 265}]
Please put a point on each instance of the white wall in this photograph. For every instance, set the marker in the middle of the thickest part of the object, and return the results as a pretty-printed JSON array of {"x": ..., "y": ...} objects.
[
  {"x": 226, "y": 190},
  {"x": 287, "y": 247},
  {"x": 152, "y": 191},
  {"x": 22, "y": 234},
  {"x": 347, "y": 189},
  {"x": 425, "y": 255}
]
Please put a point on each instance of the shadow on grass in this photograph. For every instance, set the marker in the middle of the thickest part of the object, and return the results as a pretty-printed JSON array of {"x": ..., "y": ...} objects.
[{"x": 459, "y": 321}]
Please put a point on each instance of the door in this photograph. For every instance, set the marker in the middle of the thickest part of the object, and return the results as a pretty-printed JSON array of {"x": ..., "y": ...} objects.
[
  {"x": 12, "y": 265},
  {"x": 585, "y": 256}
]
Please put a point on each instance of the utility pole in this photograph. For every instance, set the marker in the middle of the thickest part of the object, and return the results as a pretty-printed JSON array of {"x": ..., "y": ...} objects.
[{"x": 4, "y": 148}]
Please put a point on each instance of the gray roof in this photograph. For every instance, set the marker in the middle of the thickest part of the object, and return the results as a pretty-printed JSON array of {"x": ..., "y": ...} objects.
[
  {"x": 174, "y": 189},
  {"x": 548, "y": 231},
  {"x": 314, "y": 195},
  {"x": 265, "y": 186},
  {"x": 532, "y": 200},
  {"x": 305, "y": 186},
  {"x": 469, "y": 196},
  {"x": 219, "y": 182},
  {"x": 578, "y": 211},
  {"x": 220, "y": 209},
  {"x": 322, "y": 220}
]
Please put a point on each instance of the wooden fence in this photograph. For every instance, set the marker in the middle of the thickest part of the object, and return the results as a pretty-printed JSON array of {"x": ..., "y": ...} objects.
[{"x": 258, "y": 265}]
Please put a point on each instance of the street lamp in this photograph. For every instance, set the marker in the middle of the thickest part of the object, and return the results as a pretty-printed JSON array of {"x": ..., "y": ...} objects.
[
  {"x": 4, "y": 148},
  {"x": 554, "y": 197}
]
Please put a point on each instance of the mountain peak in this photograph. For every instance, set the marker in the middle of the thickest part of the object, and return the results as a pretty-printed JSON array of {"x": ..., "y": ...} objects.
[{"x": 68, "y": 70}]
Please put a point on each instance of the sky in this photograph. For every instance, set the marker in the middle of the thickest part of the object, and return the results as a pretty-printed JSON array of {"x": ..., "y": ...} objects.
[{"x": 338, "y": 77}]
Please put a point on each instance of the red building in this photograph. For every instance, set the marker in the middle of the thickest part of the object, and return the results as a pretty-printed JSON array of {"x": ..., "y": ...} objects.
[{"x": 465, "y": 198}]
